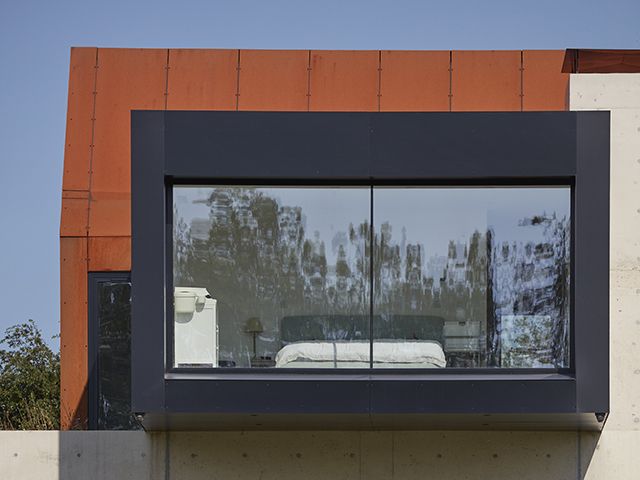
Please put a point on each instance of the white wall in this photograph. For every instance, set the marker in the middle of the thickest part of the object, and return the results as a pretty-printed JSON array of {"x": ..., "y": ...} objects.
[{"x": 372, "y": 455}]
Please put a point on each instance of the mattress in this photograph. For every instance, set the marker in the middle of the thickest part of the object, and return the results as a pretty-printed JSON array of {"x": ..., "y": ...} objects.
[{"x": 355, "y": 354}]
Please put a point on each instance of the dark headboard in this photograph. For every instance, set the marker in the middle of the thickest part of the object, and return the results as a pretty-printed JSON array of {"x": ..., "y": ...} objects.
[
  {"x": 308, "y": 328},
  {"x": 409, "y": 327}
]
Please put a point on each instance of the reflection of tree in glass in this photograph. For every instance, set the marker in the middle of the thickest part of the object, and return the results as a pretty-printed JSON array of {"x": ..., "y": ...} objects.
[
  {"x": 256, "y": 258},
  {"x": 532, "y": 279},
  {"x": 114, "y": 357}
]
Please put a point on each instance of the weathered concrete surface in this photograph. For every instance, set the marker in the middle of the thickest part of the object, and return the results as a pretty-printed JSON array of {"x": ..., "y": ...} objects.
[
  {"x": 615, "y": 454},
  {"x": 371, "y": 455},
  {"x": 319, "y": 455},
  {"x": 291, "y": 455},
  {"x": 620, "y": 93},
  {"x": 610, "y": 91},
  {"x": 81, "y": 455}
]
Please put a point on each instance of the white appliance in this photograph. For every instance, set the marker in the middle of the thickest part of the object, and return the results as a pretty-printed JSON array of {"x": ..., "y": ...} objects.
[{"x": 195, "y": 328}]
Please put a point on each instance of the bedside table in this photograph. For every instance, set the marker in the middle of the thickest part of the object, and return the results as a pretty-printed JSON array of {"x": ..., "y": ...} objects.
[{"x": 263, "y": 362}]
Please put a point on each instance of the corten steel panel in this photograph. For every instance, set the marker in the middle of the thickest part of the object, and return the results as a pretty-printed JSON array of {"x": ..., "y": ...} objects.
[
  {"x": 109, "y": 254},
  {"x": 110, "y": 214},
  {"x": 77, "y": 152},
  {"x": 74, "y": 215},
  {"x": 73, "y": 333},
  {"x": 344, "y": 81},
  {"x": 544, "y": 86},
  {"x": 601, "y": 61},
  {"x": 273, "y": 80},
  {"x": 485, "y": 81},
  {"x": 414, "y": 81},
  {"x": 128, "y": 79},
  {"x": 202, "y": 79}
]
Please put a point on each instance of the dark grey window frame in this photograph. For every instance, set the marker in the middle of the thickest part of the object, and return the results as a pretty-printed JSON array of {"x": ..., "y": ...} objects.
[{"x": 268, "y": 148}]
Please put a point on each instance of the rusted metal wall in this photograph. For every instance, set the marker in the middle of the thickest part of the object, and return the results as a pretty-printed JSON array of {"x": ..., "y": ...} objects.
[
  {"x": 202, "y": 79},
  {"x": 106, "y": 84}
]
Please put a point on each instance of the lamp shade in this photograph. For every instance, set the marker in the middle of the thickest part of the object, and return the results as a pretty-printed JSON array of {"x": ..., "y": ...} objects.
[{"x": 253, "y": 325}]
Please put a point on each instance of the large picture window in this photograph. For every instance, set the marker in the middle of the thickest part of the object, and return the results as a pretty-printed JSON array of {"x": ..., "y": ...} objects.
[{"x": 285, "y": 277}]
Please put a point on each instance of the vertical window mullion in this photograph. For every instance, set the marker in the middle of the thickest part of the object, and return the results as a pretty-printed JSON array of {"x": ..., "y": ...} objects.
[{"x": 371, "y": 277}]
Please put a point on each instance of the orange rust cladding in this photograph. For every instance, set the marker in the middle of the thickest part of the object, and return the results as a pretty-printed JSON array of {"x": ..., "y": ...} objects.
[
  {"x": 95, "y": 217},
  {"x": 584, "y": 60},
  {"x": 485, "y": 81},
  {"x": 344, "y": 81},
  {"x": 414, "y": 81},
  {"x": 74, "y": 215},
  {"x": 73, "y": 332},
  {"x": 202, "y": 79},
  {"x": 110, "y": 214},
  {"x": 108, "y": 254},
  {"x": 128, "y": 79},
  {"x": 544, "y": 85},
  {"x": 77, "y": 151},
  {"x": 273, "y": 80}
]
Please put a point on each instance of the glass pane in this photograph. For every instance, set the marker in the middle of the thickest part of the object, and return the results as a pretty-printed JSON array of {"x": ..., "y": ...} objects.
[
  {"x": 471, "y": 277},
  {"x": 271, "y": 277},
  {"x": 114, "y": 357}
]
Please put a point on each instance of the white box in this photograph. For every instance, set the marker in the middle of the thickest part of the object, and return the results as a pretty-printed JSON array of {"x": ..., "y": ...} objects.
[{"x": 196, "y": 332}]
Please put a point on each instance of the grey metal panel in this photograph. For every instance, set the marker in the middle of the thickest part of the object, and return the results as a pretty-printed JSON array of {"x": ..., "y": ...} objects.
[
  {"x": 591, "y": 262},
  {"x": 473, "y": 396},
  {"x": 367, "y": 394},
  {"x": 267, "y": 145},
  {"x": 254, "y": 396},
  {"x": 148, "y": 261},
  {"x": 473, "y": 145}
]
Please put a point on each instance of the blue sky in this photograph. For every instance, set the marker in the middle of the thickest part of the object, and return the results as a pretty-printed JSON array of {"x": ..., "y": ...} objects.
[{"x": 35, "y": 38}]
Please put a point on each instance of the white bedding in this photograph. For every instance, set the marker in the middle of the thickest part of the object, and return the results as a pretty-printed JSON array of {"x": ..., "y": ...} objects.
[{"x": 399, "y": 354}]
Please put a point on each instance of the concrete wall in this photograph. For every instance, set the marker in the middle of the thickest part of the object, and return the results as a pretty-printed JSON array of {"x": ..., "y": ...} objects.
[
  {"x": 294, "y": 455},
  {"x": 615, "y": 454},
  {"x": 318, "y": 455}
]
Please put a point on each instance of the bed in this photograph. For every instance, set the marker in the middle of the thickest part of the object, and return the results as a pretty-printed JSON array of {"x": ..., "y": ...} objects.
[{"x": 341, "y": 341}]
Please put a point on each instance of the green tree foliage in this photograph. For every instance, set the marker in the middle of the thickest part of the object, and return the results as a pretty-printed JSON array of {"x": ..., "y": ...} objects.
[{"x": 29, "y": 380}]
